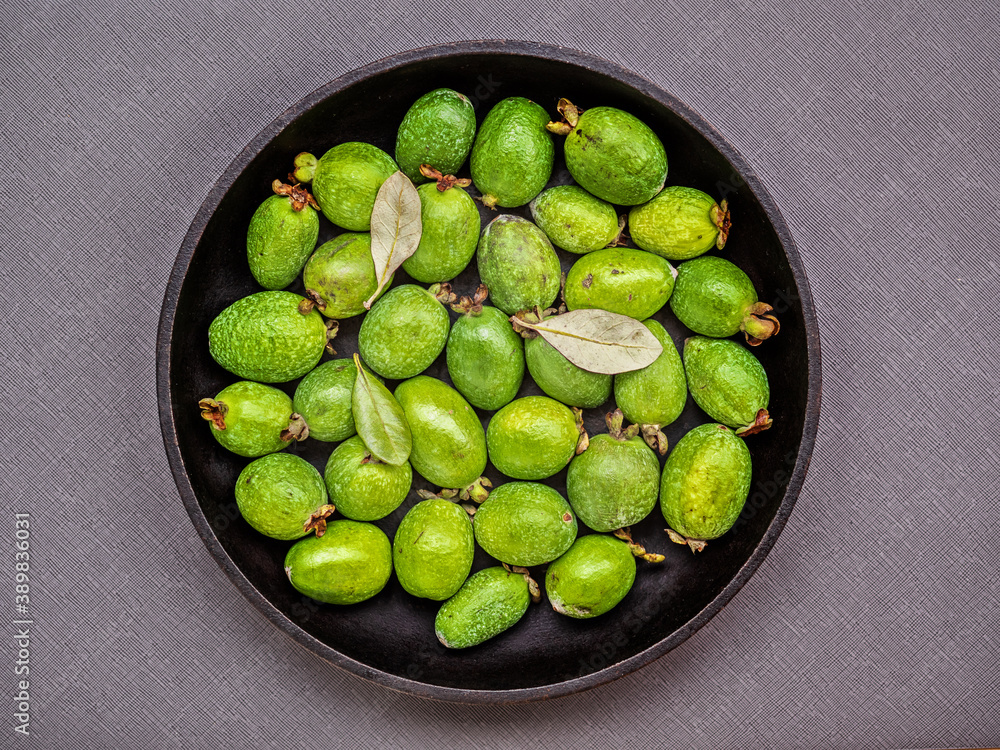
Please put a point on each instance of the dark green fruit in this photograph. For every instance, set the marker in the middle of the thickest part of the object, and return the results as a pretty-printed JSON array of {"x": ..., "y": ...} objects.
[
  {"x": 525, "y": 523},
  {"x": 612, "y": 154},
  {"x": 534, "y": 437},
  {"x": 449, "y": 446},
  {"x": 449, "y": 236},
  {"x": 361, "y": 487},
  {"x": 351, "y": 562},
  {"x": 655, "y": 395},
  {"x": 485, "y": 356},
  {"x": 490, "y": 602},
  {"x": 437, "y": 130},
  {"x": 264, "y": 337},
  {"x": 433, "y": 549},
  {"x": 513, "y": 154},
  {"x": 282, "y": 233},
  {"x": 728, "y": 383},
  {"x": 347, "y": 180},
  {"x": 323, "y": 399},
  {"x": 680, "y": 223},
  {"x": 715, "y": 298},
  {"x": 620, "y": 280},
  {"x": 252, "y": 420},
  {"x": 705, "y": 483},
  {"x": 561, "y": 379},
  {"x": 340, "y": 275},
  {"x": 575, "y": 220},
  {"x": 283, "y": 497},
  {"x": 518, "y": 264},
  {"x": 615, "y": 482},
  {"x": 405, "y": 330}
]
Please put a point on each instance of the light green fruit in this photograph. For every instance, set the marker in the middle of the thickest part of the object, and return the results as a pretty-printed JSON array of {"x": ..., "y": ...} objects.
[
  {"x": 251, "y": 419},
  {"x": 361, "y": 487},
  {"x": 592, "y": 577},
  {"x": 533, "y": 437},
  {"x": 679, "y": 223},
  {"x": 350, "y": 563},
  {"x": 340, "y": 275},
  {"x": 728, "y": 383},
  {"x": 490, "y": 602},
  {"x": 620, "y": 280},
  {"x": 654, "y": 395},
  {"x": 323, "y": 399},
  {"x": 518, "y": 264},
  {"x": 282, "y": 496},
  {"x": 281, "y": 236},
  {"x": 433, "y": 549},
  {"x": 347, "y": 180},
  {"x": 525, "y": 523},
  {"x": 449, "y": 235},
  {"x": 437, "y": 130},
  {"x": 405, "y": 331},
  {"x": 561, "y": 379},
  {"x": 575, "y": 220},
  {"x": 485, "y": 357}
]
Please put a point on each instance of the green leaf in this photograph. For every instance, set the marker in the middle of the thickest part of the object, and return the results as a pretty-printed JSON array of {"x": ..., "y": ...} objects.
[
  {"x": 379, "y": 419},
  {"x": 396, "y": 228}
]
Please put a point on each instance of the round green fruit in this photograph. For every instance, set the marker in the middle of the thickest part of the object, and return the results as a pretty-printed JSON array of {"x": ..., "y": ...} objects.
[
  {"x": 561, "y": 379},
  {"x": 282, "y": 496},
  {"x": 490, "y": 602},
  {"x": 679, "y": 223},
  {"x": 347, "y": 180},
  {"x": 449, "y": 235},
  {"x": 620, "y": 280},
  {"x": 323, "y": 399},
  {"x": 575, "y": 220},
  {"x": 361, "y": 487},
  {"x": 350, "y": 563},
  {"x": 525, "y": 523},
  {"x": 433, "y": 549},
  {"x": 251, "y": 419},
  {"x": 281, "y": 236},
  {"x": 518, "y": 264},
  {"x": 405, "y": 331},
  {"x": 437, "y": 130},
  {"x": 728, "y": 383},
  {"x": 655, "y": 395},
  {"x": 533, "y": 437},
  {"x": 591, "y": 578},
  {"x": 340, "y": 275}
]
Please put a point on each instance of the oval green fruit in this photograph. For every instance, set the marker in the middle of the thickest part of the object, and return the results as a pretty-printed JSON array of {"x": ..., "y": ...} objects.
[
  {"x": 525, "y": 523},
  {"x": 705, "y": 483},
  {"x": 323, "y": 399},
  {"x": 449, "y": 445},
  {"x": 532, "y": 437},
  {"x": 485, "y": 357},
  {"x": 561, "y": 379},
  {"x": 282, "y": 496},
  {"x": 437, "y": 130},
  {"x": 251, "y": 419},
  {"x": 490, "y": 602},
  {"x": 340, "y": 275},
  {"x": 361, "y": 487},
  {"x": 513, "y": 154},
  {"x": 404, "y": 332},
  {"x": 679, "y": 223},
  {"x": 518, "y": 264},
  {"x": 728, "y": 383},
  {"x": 433, "y": 549},
  {"x": 575, "y": 220},
  {"x": 592, "y": 577},
  {"x": 654, "y": 395},
  {"x": 347, "y": 180},
  {"x": 715, "y": 298},
  {"x": 350, "y": 563},
  {"x": 265, "y": 338},
  {"x": 449, "y": 235},
  {"x": 280, "y": 239},
  {"x": 620, "y": 280}
]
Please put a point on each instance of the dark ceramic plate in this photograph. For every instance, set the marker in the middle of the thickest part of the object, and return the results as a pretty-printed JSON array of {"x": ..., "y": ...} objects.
[{"x": 390, "y": 639}]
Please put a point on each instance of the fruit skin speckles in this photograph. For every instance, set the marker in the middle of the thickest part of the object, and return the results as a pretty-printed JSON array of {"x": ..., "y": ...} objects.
[
  {"x": 433, "y": 549},
  {"x": 525, "y": 523},
  {"x": 621, "y": 280},
  {"x": 438, "y": 130},
  {"x": 347, "y": 180},
  {"x": 728, "y": 383},
  {"x": 405, "y": 331},
  {"x": 680, "y": 223},
  {"x": 518, "y": 264},
  {"x": 490, "y": 602}
]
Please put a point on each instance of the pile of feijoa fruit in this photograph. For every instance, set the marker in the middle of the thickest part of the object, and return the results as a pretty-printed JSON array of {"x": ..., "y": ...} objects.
[{"x": 584, "y": 339}]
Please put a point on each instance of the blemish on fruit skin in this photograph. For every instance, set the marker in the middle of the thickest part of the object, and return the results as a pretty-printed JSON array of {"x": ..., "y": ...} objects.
[
  {"x": 587, "y": 281},
  {"x": 567, "y": 517}
]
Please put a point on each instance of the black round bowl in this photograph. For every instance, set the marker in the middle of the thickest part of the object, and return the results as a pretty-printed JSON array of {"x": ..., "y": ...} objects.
[{"x": 390, "y": 639}]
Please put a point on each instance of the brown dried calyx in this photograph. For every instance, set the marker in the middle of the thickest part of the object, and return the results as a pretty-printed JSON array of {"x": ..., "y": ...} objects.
[
  {"x": 214, "y": 411},
  {"x": 614, "y": 421},
  {"x": 313, "y": 299},
  {"x": 299, "y": 195},
  {"x": 533, "y": 588},
  {"x": 469, "y": 498},
  {"x": 654, "y": 438},
  {"x": 723, "y": 222},
  {"x": 571, "y": 116},
  {"x": 297, "y": 429},
  {"x": 442, "y": 293},
  {"x": 760, "y": 423},
  {"x": 584, "y": 440},
  {"x": 621, "y": 239},
  {"x": 531, "y": 317},
  {"x": 696, "y": 545},
  {"x": 473, "y": 305},
  {"x": 637, "y": 549},
  {"x": 444, "y": 181},
  {"x": 758, "y": 326},
  {"x": 317, "y": 521}
]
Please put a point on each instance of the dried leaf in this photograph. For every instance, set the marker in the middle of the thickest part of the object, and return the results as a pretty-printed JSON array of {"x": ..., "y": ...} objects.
[
  {"x": 598, "y": 340},
  {"x": 379, "y": 419},
  {"x": 396, "y": 228}
]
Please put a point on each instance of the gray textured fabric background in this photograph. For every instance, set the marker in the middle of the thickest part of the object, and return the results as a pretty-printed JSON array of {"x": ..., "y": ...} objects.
[{"x": 875, "y": 621}]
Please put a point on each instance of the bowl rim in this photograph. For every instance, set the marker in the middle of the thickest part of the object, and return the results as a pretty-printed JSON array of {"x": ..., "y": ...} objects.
[{"x": 193, "y": 237}]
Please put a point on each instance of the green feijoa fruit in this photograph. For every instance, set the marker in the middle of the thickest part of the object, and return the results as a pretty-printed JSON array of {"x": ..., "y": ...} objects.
[
  {"x": 283, "y": 497},
  {"x": 534, "y": 437},
  {"x": 350, "y": 563},
  {"x": 705, "y": 482},
  {"x": 612, "y": 154},
  {"x": 361, "y": 487},
  {"x": 518, "y": 264},
  {"x": 450, "y": 233},
  {"x": 405, "y": 330},
  {"x": 728, "y": 383},
  {"x": 680, "y": 223},
  {"x": 513, "y": 154},
  {"x": 323, "y": 399},
  {"x": 485, "y": 357},
  {"x": 525, "y": 523},
  {"x": 575, "y": 220},
  {"x": 265, "y": 337},
  {"x": 593, "y": 576},
  {"x": 615, "y": 482},
  {"x": 490, "y": 602},
  {"x": 621, "y": 280},
  {"x": 561, "y": 379},
  {"x": 715, "y": 298},
  {"x": 340, "y": 275},
  {"x": 437, "y": 130},
  {"x": 252, "y": 420},
  {"x": 449, "y": 446},
  {"x": 654, "y": 396},
  {"x": 433, "y": 549},
  {"x": 347, "y": 180},
  {"x": 281, "y": 235}
]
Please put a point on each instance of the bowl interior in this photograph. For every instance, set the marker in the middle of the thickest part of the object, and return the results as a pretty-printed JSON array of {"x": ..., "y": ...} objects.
[{"x": 390, "y": 638}]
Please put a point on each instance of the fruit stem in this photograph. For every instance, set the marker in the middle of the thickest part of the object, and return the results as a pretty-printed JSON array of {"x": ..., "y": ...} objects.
[
  {"x": 317, "y": 521},
  {"x": 533, "y": 588},
  {"x": 637, "y": 549},
  {"x": 654, "y": 438},
  {"x": 723, "y": 222},
  {"x": 214, "y": 411},
  {"x": 478, "y": 491},
  {"x": 473, "y": 305},
  {"x": 614, "y": 421},
  {"x": 303, "y": 168},
  {"x": 760, "y": 423},
  {"x": 299, "y": 195},
  {"x": 758, "y": 326},
  {"x": 332, "y": 327},
  {"x": 584, "y": 441},
  {"x": 571, "y": 116},
  {"x": 696, "y": 545},
  {"x": 297, "y": 429},
  {"x": 444, "y": 181}
]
